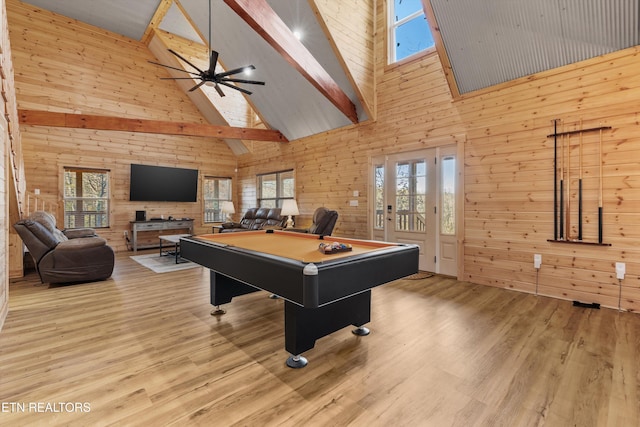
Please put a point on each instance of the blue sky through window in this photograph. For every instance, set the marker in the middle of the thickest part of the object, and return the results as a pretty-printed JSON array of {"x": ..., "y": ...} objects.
[
  {"x": 404, "y": 8},
  {"x": 413, "y": 34}
]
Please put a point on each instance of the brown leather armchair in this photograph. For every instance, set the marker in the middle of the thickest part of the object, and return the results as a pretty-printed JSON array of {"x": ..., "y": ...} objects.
[
  {"x": 324, "y": 220},
  {"x": 75, "y": 255},
  {"x": 256, "y": 219}
]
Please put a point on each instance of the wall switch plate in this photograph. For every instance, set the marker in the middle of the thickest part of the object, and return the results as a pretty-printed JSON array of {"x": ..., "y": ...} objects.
[
  {"x": 537, "y": 260},
  {"x": 620, "y": 270},
  {"x": 353, "y": 203},
  {"x": 356, "y": 193}
]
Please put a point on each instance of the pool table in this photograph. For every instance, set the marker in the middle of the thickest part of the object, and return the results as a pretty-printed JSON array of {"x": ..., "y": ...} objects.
[{"x": 322, "y": 292}]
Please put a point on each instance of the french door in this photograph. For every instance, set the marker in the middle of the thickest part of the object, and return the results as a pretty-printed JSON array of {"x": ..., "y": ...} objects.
[{"x": 414, "y": 202}]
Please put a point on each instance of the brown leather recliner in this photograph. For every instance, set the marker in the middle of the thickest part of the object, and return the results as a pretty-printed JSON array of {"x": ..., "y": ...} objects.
[
  {"x": 256, "y": 219},
  {"x": 75, "y": 255}
]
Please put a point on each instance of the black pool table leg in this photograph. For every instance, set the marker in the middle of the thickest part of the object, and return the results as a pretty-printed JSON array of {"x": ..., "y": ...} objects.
[
  {"x": 223, "y": 289},
  {"x": 303, "y": 326}
]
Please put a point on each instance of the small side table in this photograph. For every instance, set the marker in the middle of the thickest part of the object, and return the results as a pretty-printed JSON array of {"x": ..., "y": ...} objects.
[{"x": 175, "y": 239}]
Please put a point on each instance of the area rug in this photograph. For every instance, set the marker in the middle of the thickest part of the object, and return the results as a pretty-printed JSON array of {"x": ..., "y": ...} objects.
[
  {"x": 419, "y": 275},
  {"x": 162, "y": 264}
]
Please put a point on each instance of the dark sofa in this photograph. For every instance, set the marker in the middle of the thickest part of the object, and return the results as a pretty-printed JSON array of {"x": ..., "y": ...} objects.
[
  {"x": 256, "y": 219},
  {"x": 75, "y": 255}
]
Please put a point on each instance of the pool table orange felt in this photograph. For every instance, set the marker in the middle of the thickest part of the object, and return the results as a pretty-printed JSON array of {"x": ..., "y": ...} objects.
[{"x": 288, "y": 244}]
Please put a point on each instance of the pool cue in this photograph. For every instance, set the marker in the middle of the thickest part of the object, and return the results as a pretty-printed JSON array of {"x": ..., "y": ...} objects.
[
  {"x": 568, "y": 217},
  {"x": 555, "y": 179},
  {"x": 600, "y": 192},
  {"x": 580, "y": 185},
  {"x": 562, "y": 188}
]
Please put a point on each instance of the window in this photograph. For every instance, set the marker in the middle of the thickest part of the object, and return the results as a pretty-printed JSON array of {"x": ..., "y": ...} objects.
[
  {"x": 409, "y": 31},
  {"x": 411, "y": 195},
  {"x": 448, "y": 196},
  {"x": 274, "y": 187},
  {"x": 215, "y": 191},
  {"x": 86, "y": 198},
  {"x": 379, "y": 196}
]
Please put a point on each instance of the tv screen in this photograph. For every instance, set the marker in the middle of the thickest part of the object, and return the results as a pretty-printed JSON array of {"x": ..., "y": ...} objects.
[{"x": 163, "y": 184}]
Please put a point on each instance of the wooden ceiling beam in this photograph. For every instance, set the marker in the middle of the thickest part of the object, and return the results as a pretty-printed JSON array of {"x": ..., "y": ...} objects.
[
  {"x": 440, "y": 48},
  {"x": 87, "y": 121},
  {"x": 156, "y": 19},
  {"x": 266, "y": 22}
]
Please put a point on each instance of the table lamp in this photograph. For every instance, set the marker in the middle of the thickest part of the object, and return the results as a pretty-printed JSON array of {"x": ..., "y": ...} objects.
[
  {"x": 227, "y": 210},
  {"x": 289, "y": 208}
]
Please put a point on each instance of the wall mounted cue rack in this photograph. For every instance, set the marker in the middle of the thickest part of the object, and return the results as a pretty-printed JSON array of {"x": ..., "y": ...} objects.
[
  {"x": 573, "y": 132},
  {"x": 562, "y": 175}
]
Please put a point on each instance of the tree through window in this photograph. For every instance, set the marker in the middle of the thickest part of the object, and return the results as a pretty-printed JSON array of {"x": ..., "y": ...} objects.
[
  {"x": 86, "y": 198},
  {"x": 411, "y": 195},
  {"x": 274, "y": 187},
  {"x": 216, "y": 191}
]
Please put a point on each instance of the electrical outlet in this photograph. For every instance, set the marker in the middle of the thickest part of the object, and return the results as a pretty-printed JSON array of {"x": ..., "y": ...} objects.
[
  {"x": 620, "y": 270},
  {"x": 537, "y": 261},
  {"x": 126, "y": 233}
]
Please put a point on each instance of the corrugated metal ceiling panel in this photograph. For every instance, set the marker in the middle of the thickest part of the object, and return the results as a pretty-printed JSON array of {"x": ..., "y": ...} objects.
[
  {"x": 494, "y": 41},
  {"x": 119, "y": 16}
]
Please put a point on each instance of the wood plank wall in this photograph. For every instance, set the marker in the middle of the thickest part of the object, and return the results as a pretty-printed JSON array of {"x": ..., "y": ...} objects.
[
  {"x": 13, "y": 183},
  {"x": 4, "y": 175},
  {"x": 330, "y": 166},
  {"x": 66, "y": 66},
  {"x": 508, "y": 168},
  {"x": 351, "y": 30},
  {"x": 509, "y": 181}
]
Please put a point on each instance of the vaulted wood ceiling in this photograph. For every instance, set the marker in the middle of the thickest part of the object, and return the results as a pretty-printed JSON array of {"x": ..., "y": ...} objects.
[
  {"x": 326, "y": 80},
  {"x": 310, "y": 87}
]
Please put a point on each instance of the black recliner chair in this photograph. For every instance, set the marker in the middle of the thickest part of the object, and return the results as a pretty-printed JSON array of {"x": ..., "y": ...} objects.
[{"x": 324, "y": 220}]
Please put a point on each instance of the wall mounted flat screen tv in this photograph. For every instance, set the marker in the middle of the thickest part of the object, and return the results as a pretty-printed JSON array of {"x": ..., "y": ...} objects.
[{"x": 163, "y": 184}]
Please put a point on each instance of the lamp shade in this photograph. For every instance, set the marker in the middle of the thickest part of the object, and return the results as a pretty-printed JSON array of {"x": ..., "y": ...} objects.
[
  {"x": 227, "y": 208},
  {"x": 289, "y": 207}
]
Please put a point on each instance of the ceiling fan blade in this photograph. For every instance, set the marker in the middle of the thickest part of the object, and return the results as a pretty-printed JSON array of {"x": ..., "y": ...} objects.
[
  {"x": 219, "y": 90},
  {"x": 173, "y": 68},
  {"x": 213, "y": 60},
  {"x": 235, "y": 71},
  {"x": 236, "y": 87},
  {"x": 197, "y": 86},
  {"x": 253, "y": 82},
  {"x": 179, "y": 56},
  {"x": 177, "y": 78}
]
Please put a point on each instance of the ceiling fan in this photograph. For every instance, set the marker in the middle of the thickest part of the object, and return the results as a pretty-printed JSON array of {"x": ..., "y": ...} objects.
[{"x": 210, "y": 76}]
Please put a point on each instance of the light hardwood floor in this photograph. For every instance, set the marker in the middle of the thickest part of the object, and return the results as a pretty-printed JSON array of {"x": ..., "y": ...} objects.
[{"x": 142, "y": 349}]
